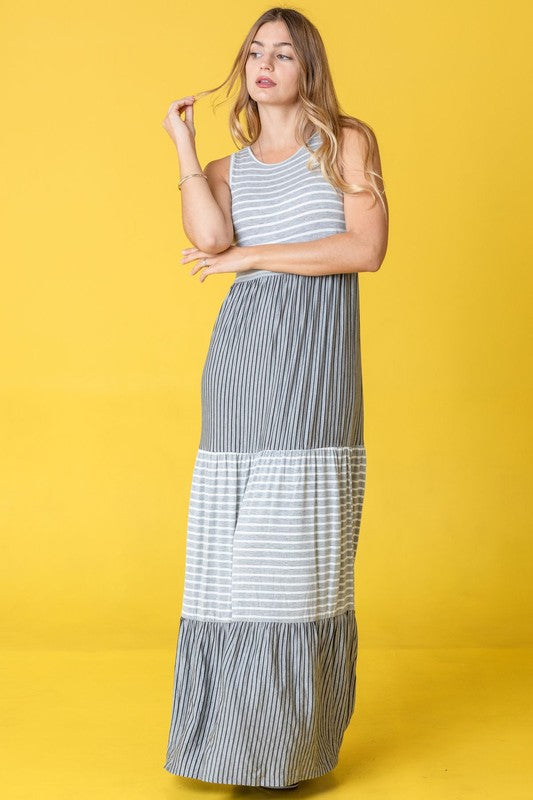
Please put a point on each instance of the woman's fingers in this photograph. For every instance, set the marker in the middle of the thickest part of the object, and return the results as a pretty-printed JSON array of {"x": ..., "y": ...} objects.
[{"x": 185, "y": 103}]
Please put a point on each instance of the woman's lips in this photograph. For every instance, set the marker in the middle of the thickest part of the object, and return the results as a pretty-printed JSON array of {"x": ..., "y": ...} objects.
[{"x": 265, "y": 84}]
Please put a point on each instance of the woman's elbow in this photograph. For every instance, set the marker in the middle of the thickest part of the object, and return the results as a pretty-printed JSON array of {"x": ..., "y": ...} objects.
[
  {"x": 211, "y": 244},
  {"x": 218, "y": 245}
]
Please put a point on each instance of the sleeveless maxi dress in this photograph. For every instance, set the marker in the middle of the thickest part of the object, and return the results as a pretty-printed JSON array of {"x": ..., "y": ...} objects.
[{"x": 265, "y": 665}]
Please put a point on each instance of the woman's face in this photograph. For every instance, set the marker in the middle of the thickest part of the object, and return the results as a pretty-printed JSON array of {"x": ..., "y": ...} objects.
[{"x": 272, "y": 56}]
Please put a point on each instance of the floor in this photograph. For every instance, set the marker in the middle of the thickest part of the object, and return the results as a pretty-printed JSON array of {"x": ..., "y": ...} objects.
[{"x": 428, "y": 724}]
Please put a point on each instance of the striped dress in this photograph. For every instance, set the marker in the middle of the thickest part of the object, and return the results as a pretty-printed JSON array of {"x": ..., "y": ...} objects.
[{"x": 265, "y": 666}]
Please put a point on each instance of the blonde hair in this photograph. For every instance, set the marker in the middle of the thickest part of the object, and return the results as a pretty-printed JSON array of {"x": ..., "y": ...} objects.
[{"x": 319, "y": 104}]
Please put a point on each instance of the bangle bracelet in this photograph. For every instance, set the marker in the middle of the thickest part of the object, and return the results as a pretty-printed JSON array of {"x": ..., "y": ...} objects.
[{"x": 192, "y": 175}]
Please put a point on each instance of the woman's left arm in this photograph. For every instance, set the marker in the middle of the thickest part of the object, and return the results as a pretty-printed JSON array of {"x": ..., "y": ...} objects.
[{"x": 361, "y": 249}]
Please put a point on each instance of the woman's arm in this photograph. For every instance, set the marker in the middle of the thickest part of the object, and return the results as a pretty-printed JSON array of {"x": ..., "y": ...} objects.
[
  {"x": 341, "y": 252},
  {"x": 361, "y": 249},
  {"x": 205, "y": 205}
]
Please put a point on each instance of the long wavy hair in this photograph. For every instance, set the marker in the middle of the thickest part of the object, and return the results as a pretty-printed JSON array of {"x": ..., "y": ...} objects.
[{"x": 318, "y": 104}]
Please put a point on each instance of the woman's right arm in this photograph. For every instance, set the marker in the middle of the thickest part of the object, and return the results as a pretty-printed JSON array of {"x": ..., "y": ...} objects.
[{"x": 205, "y": 204}]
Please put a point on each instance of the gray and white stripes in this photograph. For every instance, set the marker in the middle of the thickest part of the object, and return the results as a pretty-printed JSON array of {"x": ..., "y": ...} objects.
[
  {"x": 273, "y": 535},
  {"x": 284, "y": 202},
  {"x": 283, "y": 369},
  {"x": 265, "y": 668},
  {"x": 262, "y": 703}
]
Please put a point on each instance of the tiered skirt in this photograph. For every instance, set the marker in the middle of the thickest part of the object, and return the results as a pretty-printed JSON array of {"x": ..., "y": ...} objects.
[{"x": 265, "y": 665}]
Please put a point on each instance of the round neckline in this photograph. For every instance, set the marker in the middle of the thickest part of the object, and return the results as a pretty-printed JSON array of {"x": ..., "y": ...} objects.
[{"x": 285, "y": 160}]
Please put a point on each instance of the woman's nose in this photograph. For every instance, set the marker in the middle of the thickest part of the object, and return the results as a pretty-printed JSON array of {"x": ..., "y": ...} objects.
[{"x": 266, "y": 61}]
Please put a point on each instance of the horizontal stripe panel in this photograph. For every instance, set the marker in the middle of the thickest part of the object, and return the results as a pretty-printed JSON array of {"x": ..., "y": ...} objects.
[
  {"x": 273, "y": 535},
  {"x": 284, "y": 202}
]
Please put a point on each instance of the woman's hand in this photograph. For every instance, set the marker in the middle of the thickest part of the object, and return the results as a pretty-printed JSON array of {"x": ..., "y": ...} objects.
[
  {"x": 174, "y": 125},
  {"x": 234, "y": 259}
]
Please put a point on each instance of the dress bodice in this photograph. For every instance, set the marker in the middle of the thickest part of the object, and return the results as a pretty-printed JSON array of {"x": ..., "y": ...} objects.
[{"x": 282, "y": 202}]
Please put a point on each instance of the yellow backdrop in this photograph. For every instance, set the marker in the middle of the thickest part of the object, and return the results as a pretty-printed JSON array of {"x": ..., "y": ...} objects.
[{"x": 104, "y": 334}]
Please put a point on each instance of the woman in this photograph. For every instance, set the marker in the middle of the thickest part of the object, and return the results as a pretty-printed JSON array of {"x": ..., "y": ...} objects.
[{"x": 265, "y": 662}]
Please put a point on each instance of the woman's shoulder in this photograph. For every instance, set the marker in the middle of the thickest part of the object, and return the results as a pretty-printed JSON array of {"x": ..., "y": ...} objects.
[{"x": 219, "y": 168}]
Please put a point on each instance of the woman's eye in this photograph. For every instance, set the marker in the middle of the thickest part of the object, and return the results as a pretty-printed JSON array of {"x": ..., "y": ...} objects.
[{"x": 254, "y": 53}]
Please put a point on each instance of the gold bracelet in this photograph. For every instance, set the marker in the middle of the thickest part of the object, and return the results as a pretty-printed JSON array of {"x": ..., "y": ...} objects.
[{"x": 192, "y": 175}]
